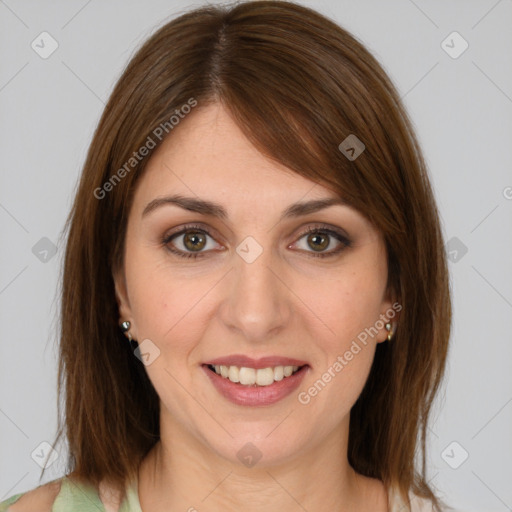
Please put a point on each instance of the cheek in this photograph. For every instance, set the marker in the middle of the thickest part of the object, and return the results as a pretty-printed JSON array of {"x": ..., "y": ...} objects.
[
  {"x": 340, "y": 376},
  {"x": 162, "y": 301},
  {"x": 344, "y": 307}
]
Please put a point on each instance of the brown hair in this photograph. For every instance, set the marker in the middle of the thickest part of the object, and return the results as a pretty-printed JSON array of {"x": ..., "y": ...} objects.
[{"x": 297, "y": 85}]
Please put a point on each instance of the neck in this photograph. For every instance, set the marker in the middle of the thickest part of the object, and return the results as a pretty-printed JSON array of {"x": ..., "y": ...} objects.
[{"x": 181, "y": 473}]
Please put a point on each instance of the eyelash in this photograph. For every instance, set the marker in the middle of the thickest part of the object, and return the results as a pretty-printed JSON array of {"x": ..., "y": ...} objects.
[{"x": 311, "y": 229}]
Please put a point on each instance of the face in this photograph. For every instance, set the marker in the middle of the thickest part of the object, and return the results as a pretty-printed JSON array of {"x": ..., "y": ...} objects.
[{"x": 199, "y": 287}]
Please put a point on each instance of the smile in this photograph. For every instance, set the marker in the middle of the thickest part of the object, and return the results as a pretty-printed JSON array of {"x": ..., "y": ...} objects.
[
  {"x": 277, "y": 382},
  {"x": 252, "y": 376}
]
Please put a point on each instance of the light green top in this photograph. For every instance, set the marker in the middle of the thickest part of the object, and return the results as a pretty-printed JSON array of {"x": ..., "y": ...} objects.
[
  {"x": 82, "y": 498},
  {"x": 74, "y": 497}
]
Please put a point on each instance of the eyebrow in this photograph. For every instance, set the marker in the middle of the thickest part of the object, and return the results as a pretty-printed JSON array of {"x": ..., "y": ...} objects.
[{"x": 205, "y": 207}]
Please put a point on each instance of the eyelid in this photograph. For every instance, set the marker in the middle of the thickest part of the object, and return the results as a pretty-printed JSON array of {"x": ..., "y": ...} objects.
[
  {"x": 326, "y": 228},
  {"x": 189, "y": 226}
]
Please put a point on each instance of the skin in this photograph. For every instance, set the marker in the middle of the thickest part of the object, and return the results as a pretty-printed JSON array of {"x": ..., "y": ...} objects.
[{"x": 285, "y": 303}]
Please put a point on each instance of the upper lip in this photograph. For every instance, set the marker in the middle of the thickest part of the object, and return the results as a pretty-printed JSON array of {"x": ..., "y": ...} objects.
[{"x": 248, "y": 362}]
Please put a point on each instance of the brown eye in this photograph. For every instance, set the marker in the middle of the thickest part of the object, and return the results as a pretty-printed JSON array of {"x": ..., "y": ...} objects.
[
  {"x": 315, "y": 240},
  {"x": 194, "y": 240},
  {"x": 318, "y": 241},
  {"x": 190, "y": 242}
]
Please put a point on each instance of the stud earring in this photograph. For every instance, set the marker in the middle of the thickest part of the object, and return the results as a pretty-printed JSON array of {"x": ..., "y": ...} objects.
[
  {"x": 390, "y": 332},
  {"x": 125, "y": 327}
]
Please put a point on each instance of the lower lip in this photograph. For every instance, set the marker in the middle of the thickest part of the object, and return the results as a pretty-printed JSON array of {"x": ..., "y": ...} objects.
[{"x": 256, "y": 395}]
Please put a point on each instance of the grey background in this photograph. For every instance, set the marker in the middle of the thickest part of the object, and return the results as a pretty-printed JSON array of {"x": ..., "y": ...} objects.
[{"x": 462, "y": 111}]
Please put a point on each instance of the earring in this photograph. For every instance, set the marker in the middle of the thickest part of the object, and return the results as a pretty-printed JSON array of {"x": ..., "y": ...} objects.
[
  {"x": 125, "y": 326},
  {"x": 390, "y": 332}
]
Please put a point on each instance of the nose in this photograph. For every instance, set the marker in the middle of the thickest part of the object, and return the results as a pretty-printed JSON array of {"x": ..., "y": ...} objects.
[{"x": 257, "y": 301}]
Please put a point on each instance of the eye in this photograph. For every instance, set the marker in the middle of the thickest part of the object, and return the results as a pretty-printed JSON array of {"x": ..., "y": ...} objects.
[
  {"x": 190, "y": 242},
  {"x": 321, "y": 238},
  {"x": 194, "y": 241}
]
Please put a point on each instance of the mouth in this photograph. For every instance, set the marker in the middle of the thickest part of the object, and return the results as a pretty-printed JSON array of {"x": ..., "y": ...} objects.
[
  {"x": 249, "y": 386},
  {"x": 256, "y": 377}
]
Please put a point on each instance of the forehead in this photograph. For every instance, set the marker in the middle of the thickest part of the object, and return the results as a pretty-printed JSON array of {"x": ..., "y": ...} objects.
[{"x": 208, "y": 155}]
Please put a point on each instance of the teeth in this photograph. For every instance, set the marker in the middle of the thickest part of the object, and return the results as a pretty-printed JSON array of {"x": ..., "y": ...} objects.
[
  {"x": 264, "y": 376},
  {"x": 247, "y": 376},
  {"x": 288, "y": 370},
  {"x": 234, "y": 374},
  {"x": 250, "y": 376}
]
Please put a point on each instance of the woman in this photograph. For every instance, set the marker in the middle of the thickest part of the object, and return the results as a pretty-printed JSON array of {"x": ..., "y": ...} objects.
[{"x": 255, "y": 304}]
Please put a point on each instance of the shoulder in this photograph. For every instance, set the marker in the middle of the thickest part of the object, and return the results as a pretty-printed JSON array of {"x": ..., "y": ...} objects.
[
  {"x": 39, "y": 499},
  {"x": 415, "y": 502},
  {"x": 62, "y": 495},
  {"x": 419, "y": 504}
]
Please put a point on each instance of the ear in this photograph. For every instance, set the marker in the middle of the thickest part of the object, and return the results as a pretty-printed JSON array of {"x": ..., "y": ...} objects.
[{"x": 123, "y": 303}]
